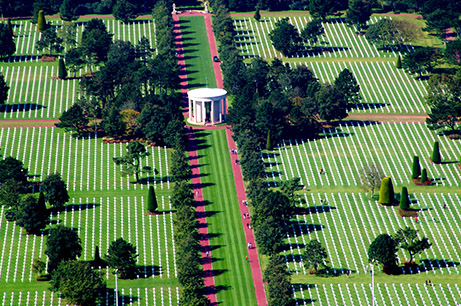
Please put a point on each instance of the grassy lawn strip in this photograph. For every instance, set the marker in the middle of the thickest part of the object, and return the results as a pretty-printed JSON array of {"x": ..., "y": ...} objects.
[
  {"x": 233, "y": 275},
  {"x": 197, "y": 52}
]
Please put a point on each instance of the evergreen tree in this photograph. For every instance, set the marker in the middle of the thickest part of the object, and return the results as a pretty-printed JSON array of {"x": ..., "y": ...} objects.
[
  {"x": 55, "y": 190},
  {"x": 179, "y": 167},
  {"x": 383, "y": 250},
  {"x": 435, "y": 157},
  {"x": 74, "y": 120},
  {"x": 151, "y": 200},
  {"x": 404, "y": 200},
  {"x": 416, "y": 168},
  {"x": 122, "y": 256},
  {"x": 41, "y": 22},
  {"x": 3, "y": 89},
  {"x": 424, "y": 177},
  {"x": 398, "y": 65},
  {"x": 268, "y": 141},
  {"x": 257, "y": 15},
  {"x": 62, "y": 72},
  {"x": 347, "y": 84},
  {"x": 10, "y": 27},
  {"x": 62, "y": 244},
  {"x": 386, "y": 192},
  {"x": 7, "y": 44},
  {"x": 32, "y": 215},
  {"x": 68, "y": 10}
]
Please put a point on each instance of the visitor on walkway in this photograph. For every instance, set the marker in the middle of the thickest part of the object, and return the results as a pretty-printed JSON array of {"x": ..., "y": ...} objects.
[{"x": 246, "y": 258}]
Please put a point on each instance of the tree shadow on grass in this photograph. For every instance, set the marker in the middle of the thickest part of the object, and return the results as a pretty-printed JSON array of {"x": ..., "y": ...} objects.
[
  {"x": 76, "y": 207},
  {"x": 334, "y": 272},
  {"x": 306, "y": 228},
  {"x": 428, "y": 265},
  {"x": 109, "y": 298},
  {"x": 148, "y": 271},
  {"x": 313, "y": 209},
  {"x": 19, "y": 107}
]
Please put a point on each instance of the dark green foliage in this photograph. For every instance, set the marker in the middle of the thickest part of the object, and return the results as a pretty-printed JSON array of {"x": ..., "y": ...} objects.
[
  {"x": 123, "y": 10},
  {"x": 415, "y": 168},
  {"x": 269, "y": 236},
  {"x": 331, "y": 102},
  {"x": 122, "y": 256},
  {"x": 7, "y": 44},
  {"x": 407, "y": 238},
  {"x": 404, "y": 199},
  {"x": 55, "y": 190},
  {"x": 131, "y": 161},
  {"x": 290, "y": 187},
  {"x": 78, "y": 283},
  {"x": 347, "y": 84},
  {"x": 315, "y": 254},
  {"x": 257, "y": 15},
  {"x": 112, "y": 122},
  {"x": 179, "y": 167},
  {"x": 424, "y": 177},
  {"x": 398, "y": 64},
  {"x": 10, "y": 193},
  {"x": 285, "y": 37},
  {"x": 3, "y": 89},
  {"x": 435, "y": 157},
  {"x": 62, "y": 72},
  {"x": 387, "y": 33},
  {"x": 383, "y": 250},
  {"x": 49, "y": 40},
  {"x": 96, "y": 41},
  {"x": 11, "y": 168},
  {"x": 321, "y": 8},
  {"x": 278, "y": 279},
  {"x": 41, "y": 22},
  {"x": 182, "y": 195},
  {"x": 358, "y": 13},
  {"x": 386, "y": 192},
  {"x": 439, "y": 20},
  {"x": 312, "y": 31},
  {"x": 452, "y": 53},
  {"x": 62, "y": 244},
  {"x": 419, "y": 60},
  {"x": 74, "y": 120},
  {"x": 74, "y": 60},
  {"x": 151, "y": 200},
  {"x": 268, "y": 141},
  {"x": 67, "y": 10},
  {"x": 32, "y": 215}
]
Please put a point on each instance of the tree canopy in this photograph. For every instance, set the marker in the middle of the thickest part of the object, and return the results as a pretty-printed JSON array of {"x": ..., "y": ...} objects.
[
  {"x": 322, "y": 8},
  {"x": 3, "y": 89},
  {"x": 347, "y": 84},
  {"x": 124, "y": 10},
  {"x": 74, "y": 119},
  {"x": 55, "y": 190},
  {"x": 285, "y": 37},
  {"x": 315, "y": 254},
  {"x": 62, "y": 244},
  {"x": 131, "y": 161},
  {"x": 358, "y": 13},
  {"x": 122, "y": 256},
  {"x": 49, "y": 40},
  {"x": 419, "y": 60},
  {"x": 7, "y": 44},
  {"x": 32, "y": 215},
  {"x": 11, "y": 168},
  {"x": 312, "y": 31},
  {"x": 383, "y": 250},
  {"x": 407, "y": 239}
]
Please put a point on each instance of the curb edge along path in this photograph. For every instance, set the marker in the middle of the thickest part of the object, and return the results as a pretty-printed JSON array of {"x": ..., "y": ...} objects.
[
  {"x": 238, "y": 179},
  {"x": 207, "y": 265}
]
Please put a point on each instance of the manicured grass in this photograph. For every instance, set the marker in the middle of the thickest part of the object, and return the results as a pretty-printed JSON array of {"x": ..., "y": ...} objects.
[
  {"x": 197, "y": 54},
  {"x": 233, "y": 274}
]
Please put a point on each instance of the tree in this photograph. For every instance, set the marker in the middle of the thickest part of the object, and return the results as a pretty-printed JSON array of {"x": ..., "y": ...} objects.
[
  {"x": 39, "y": 267},
  {"x": 62, "y": 244},
  {"x": 435, "y": 157},
  {"x": 7, "y": 45},
  {"x": 416, "y": 168},
  {"x": 312, "y": 31},
  {"x": 269, "y": 236},
  {"x": 143, "y": 50},
  {"x": 386, "y": 192},
  {"x": 280, "y": 292},
  {"x": 123, "y": 10},
  {"x": 358, "y": 13},
  {"x": 179, "y": 167},
  {"x": 315, "y": 254},
  {"x": 289, "y": 188},
  {"x": 407, "y": 238},
  {"x": 73, "y": 119},
  {"x": 383, "y": 250},
  {"x": 321, "y": 8},
  {"x": 131, "y": 161},
  {"x": 32, "y": 215},
  {"x": 424, "y": 177},
  {"x": 370, "y": 177},
  {"x": 439, "y": 20},
  {"x": 55, "y": 190},
  {"x": 62, "y": 72},
  {"x": 404, "y": 199},
  {"x": 398, "y": 64},
  {"x": 67, "y": 32},
  {"x": 390, "y": 32},
  {"x": 331, "y": 103},
  {"x": 122, "y": 257},
  {"x": 112, "y": 122},
  {"x": 41, "y": 22},
  {"x": 268, "y": 141},
  {"x": 11, "y": 168},
  {"x": 3, "y": 89},
  {"x": 151, "y": 200},
  {"x": 419, "y": 60},
  {"x": 78, "y": 283},
  {"x": 257, "y": 15},
  {"x": 74, "y": 60},
  {"x": 68, "y": 10},
  {"x": 96, "y": 41},
  {"x": 49, "y": 40},
  {"x": 347, "y": 84},
  {"x": 285, "y": 37},
  {"x": 10, "y": 193},
  {"x": 452, "y": 53}
]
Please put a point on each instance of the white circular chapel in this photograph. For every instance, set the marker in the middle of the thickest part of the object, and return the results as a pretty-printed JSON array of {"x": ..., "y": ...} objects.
[{"x": 207, "y": 105}]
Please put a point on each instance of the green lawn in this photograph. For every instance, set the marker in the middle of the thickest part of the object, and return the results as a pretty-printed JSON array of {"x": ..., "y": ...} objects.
[{"x": 233, "y": 274}]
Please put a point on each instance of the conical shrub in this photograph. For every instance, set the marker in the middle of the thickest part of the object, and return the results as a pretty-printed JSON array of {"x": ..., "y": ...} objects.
[
  {"x": 424, "y": 175},
  {"x": 269, "y": 141},
  {"x": 398, "y": 64},
  {"x": 62, "y": 72},
  {"x": 41, "y": 22},
  {"x": 151, "y": 200},
  {"x": 436, "y": 154},
  {"x": 257, "y": 15},
  {"x": 386, "y": 192},
  {"x": 416, "y": 168},
  {"x": 404, "y": 200}
]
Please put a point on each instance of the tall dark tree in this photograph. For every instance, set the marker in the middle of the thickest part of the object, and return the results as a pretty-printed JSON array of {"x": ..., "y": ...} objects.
[
  {"x": 384, "y": 251},
  {"x": 285, "y": 37},
  {"x": 62, "y": 244},
  {"x": 62, "y": 71},
  {"x": 49, "y": 40},
  {"x": 3, "y": 89},
  {"x": 151, "y": 200},
  {"x": 269, "y": 236},
  {"x": 280, "y": 292},
  {"x": 179, "y": 167},
  {"x": 96, "y": 40},
  {"x": 7, "y": 44},
  {"x": 122, "y": 256},
  {"x": 112, "y": 122},
  {"x": 55, "y": 190},
  {"x": 419, "y": 61},
  {"x": 10, "y": 193},
  {"x": 347, "y": 85},
  {"x": 124, "y": 10},
  {"x": 439, "y": 20},
  {"x": 315, "y": 254},
  {"x": 74, "y": 60},
  {"x": 452, "y": 54},
  {"x": 312, "y": 31},
  {"x": 131, "y": 161},
  {"x": 331, "y": 103},
  {"x": 11, "y": 168},
  {"x": 257, "y": 15},
  {"x": 358, "y": 13},
  {"x": 67, "y": 10},
  {"x": 321, "y": 8},
  {"x": 74, "y": 119},
  {"x": 32, "y": 215}
]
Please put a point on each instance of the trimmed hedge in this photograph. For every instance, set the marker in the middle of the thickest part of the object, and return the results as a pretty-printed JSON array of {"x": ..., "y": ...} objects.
[
  {"x": 151, "y": 200},
  {"x": 386, "y": 192},
  {"x": 435, "y": 157},
  {"x": 404, "y": 199},
  {"x": 416, "y": 168}
]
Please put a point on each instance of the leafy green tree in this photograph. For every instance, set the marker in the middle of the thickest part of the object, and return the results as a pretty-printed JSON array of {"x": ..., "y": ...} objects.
[
  {"x": 269, "y": 236},
  {"x": 151, "y": 200},
  {"x": 452, "y": 53},
  {"x": 3, "y": 89},
  {"x": 67, "y": 10},
  {"x": 280, "y": 292},
  {"x": 112, "y": 122},
  {"x": 315, "y": 254},
  {"x": 398, "y": 64},
  {"x": 424, "y": 177},
  {"x": 347, "y": 85},
  {"x": 74, "y": 120},
  {"x": 10, "y": 193},
  {"x": 96, "y": 41},
  {"x": 321, "y": 8},
  {"x": 404, "y": 199},
  {"x": 182, "y": 195},
  {"x": 143, "y": 50},
  {"x": 41, "y": 22},
  {"x": 78, "y": 283},
  {"x": 62, "y": 244},
  {"x": 122, "y": 256},
  {"x": 123, "y": 10},
  {"x": 131, "y": 161},
  {"x": 290, "y": 187},
  {"x": 386, "y": 192},
  {"x": 312, "y": 31},
  {"x": 49, "y": 40},
  {"x": 55, "y": 190},
  {"x": 179, "y": 167},
  {"x": 7, "y": 44},
  {"x": 62, "y": 72},
  {"x": 268, "y": 141},
  {"x": 408, "y": 240},
  {"x": 11, "y": 168},
  {"x": 285, "y": 37},
  {"x": 439, "y": 20},
  {"x": 257, "y": 15},
  {"x": 331, "y": 103},
  {"x": 67, "y": 32},
  {"x": 416, "y": 168},
  {"x": 358, "y": 13},
  {"x": 39, "y": 266},
  {"x": 32, "y": 215},
  {"x": 390, "y": 32},
  {"x": 419, "y": 60},
  {"x": 435, "y": 157},
  {"x": 384, "y": 251},
  {"x": 74, "y": 60}
]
